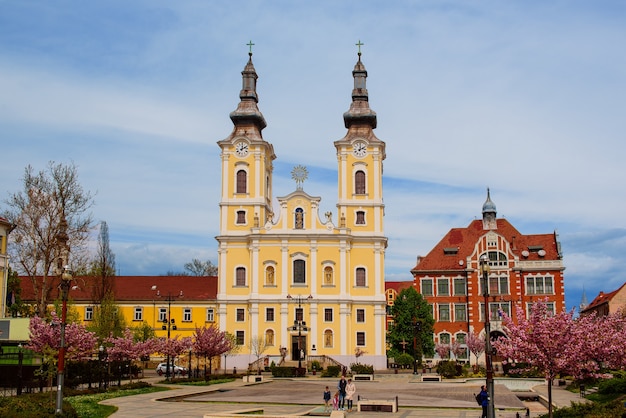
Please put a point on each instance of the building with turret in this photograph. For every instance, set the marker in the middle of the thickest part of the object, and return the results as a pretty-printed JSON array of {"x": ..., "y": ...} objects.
[
  {"x": 310, "y": 285},
  {"x": 524, "y": 269}
]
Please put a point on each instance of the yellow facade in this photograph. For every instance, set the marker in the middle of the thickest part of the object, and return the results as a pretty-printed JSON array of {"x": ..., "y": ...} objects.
[{"x": 312, "y": 283}]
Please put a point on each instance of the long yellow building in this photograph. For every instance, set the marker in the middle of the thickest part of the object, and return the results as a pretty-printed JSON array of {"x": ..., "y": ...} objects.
[{"x": 310, "y": 283}]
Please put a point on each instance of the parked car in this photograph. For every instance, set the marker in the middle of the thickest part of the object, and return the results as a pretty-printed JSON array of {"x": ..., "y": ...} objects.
[{"x": 175, "y": 369}]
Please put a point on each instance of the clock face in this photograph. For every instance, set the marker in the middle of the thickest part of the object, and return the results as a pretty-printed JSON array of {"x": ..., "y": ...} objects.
[
  {"x": 359, "y": 149},
  {"x": 241, "y": 149}
]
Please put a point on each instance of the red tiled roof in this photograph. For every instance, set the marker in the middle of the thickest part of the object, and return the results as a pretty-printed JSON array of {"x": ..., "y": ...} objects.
[
  {"x": 465, "y": 239},
  {"x": 603, "y": 298},
  {"x": 137, "y": 288},
  {"x": 398, "y": 286}
]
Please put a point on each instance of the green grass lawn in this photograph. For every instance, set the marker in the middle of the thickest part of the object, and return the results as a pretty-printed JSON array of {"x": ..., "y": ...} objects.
[{"x": 87, "y": 406}]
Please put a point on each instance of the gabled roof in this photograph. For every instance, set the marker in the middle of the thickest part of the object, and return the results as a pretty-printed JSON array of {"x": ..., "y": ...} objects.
[
  {"x": 137, "y": 288},
  {"x": 442, "y": 256},
  {"x": 603, "y": 298}
]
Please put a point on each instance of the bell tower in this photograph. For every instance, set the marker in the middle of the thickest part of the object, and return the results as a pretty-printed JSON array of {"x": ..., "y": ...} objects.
[
  {"x": 360, "y": 156},
  {"x": 246, "y": 162}
]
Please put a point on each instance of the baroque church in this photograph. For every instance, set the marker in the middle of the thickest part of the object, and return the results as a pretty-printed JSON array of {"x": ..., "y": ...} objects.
[{"x": 310, "y": 285}]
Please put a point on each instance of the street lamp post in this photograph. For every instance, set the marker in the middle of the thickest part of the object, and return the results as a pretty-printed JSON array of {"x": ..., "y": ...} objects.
[
  {"x": 66, "y": 279},
  {"x": 417, "y": 328},
  {"x": 484, "y": 269},
  {"x": 102, "y": 357},
  {"x": 169, "y": 324},
  {"x": 299, "y": 325}
]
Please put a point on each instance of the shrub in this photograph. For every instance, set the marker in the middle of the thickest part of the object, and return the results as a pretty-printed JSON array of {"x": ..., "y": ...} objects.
[
  {"x": 331, "y": 371},
  {"x": 448, "y": 369},
  {"x": 597, "y": 410},
  {"x": 612, "y": 386},
  {"x": 404, "y": 360},
  {"x": 283, "y": 371},
  {"x": 316, "y": 365},
  {"x": 358, "y": 368}
]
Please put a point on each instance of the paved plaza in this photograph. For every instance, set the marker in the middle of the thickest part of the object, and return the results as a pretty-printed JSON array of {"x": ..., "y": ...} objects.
[{"x": 290, "y": 397}]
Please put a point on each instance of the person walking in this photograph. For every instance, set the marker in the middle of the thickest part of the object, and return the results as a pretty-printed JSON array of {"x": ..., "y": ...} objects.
[
  {"x": 342, "y": 392},
  {"x": 483, "y": 396},
  {"x": 327, "y": 395},
  {"x": 350, "y": 391}
]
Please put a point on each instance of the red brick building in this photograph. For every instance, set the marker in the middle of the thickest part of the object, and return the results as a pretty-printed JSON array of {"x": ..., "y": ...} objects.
[{"x": 523, "y": 269}]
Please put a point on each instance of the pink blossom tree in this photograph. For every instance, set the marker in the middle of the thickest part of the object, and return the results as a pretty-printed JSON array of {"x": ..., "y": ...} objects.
[
  {"x": 211, "y": 342},
  {"x": 476, "y": 346},
  {"x": 602, "y": 339},
  {"x": 125, "y": 348},
  {"x": 545, "y": 342},
  {"x": 45, "y": 339},
  {"x": 443, "y": 350}
]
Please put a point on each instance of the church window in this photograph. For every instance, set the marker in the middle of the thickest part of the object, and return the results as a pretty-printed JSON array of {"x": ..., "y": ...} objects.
[
  {"x": 242, "y": 181},
  {"x": 360, "y": 276},
  {"x": 241, "y": 217},
  {"x": 360, "y": 217},
  {"x": 299, "y": 272},
  {"x": 269, "y": 337},
  {"x": 359, "y": 182},
  {"x": 269, "y": 314},
  {"x": 299, "y": 218},
  {"x": 299, "y": 314},
  {"x": 427, "y": 287},
  {"x": 360, "y": 338},
  {"x": 241, "y": 315},
  {"x": 328, "y": 314},
  {"x": 240, "y": 337},
  {"x": 328, "y": 339},
  {"x": 240, "y": 276},
  {"x": 360, "y": 315}
]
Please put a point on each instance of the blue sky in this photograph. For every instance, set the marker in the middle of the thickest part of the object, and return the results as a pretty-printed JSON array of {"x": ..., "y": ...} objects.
[{"x": 524, "y": 97}]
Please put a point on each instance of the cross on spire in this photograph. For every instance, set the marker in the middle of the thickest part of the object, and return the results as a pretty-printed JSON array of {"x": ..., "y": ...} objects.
[
  {"x": 250, "y": 44},
  {"x": 359, "y": 44}
]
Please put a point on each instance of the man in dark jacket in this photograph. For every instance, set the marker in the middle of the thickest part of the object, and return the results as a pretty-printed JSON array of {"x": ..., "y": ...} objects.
[{"x": 484, "y": 400}]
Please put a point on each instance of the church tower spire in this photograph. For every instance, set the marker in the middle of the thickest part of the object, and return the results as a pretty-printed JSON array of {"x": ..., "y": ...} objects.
[
  {"x": 247, "y": 115},
  {"x": 360, "y": 112}
]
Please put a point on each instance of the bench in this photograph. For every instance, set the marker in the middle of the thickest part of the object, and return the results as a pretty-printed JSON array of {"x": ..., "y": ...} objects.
[
  {"x": 363, "y": 377},
  {"x": 253, "y": 378},
  {"x": 377, "y": 405},
  {"x": 430, "y": 378}
]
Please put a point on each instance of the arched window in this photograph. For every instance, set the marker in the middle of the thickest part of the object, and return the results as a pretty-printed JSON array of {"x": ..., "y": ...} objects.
[
  {"x": 299, "y": 272},
  {"x": 328, "y": 339},
  {"x": 240, "y": 276},
  {"x": 360, "y": 217},
  {"x": 241, "y": 217},
  {"x": 359, "y": 182},
  {"x": 360, "y": 277},
  {"x": 269, "y": 337},
  {"x": 242, "y": 181},
  {"x": 299, "y": 220}
]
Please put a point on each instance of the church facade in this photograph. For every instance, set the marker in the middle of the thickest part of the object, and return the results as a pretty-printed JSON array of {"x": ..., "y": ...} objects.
[{"x": 308, "y": 285}]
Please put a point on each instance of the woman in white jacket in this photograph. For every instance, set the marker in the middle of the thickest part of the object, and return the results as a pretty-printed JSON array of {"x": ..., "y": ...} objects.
[{"x": 350, "y": 391}]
